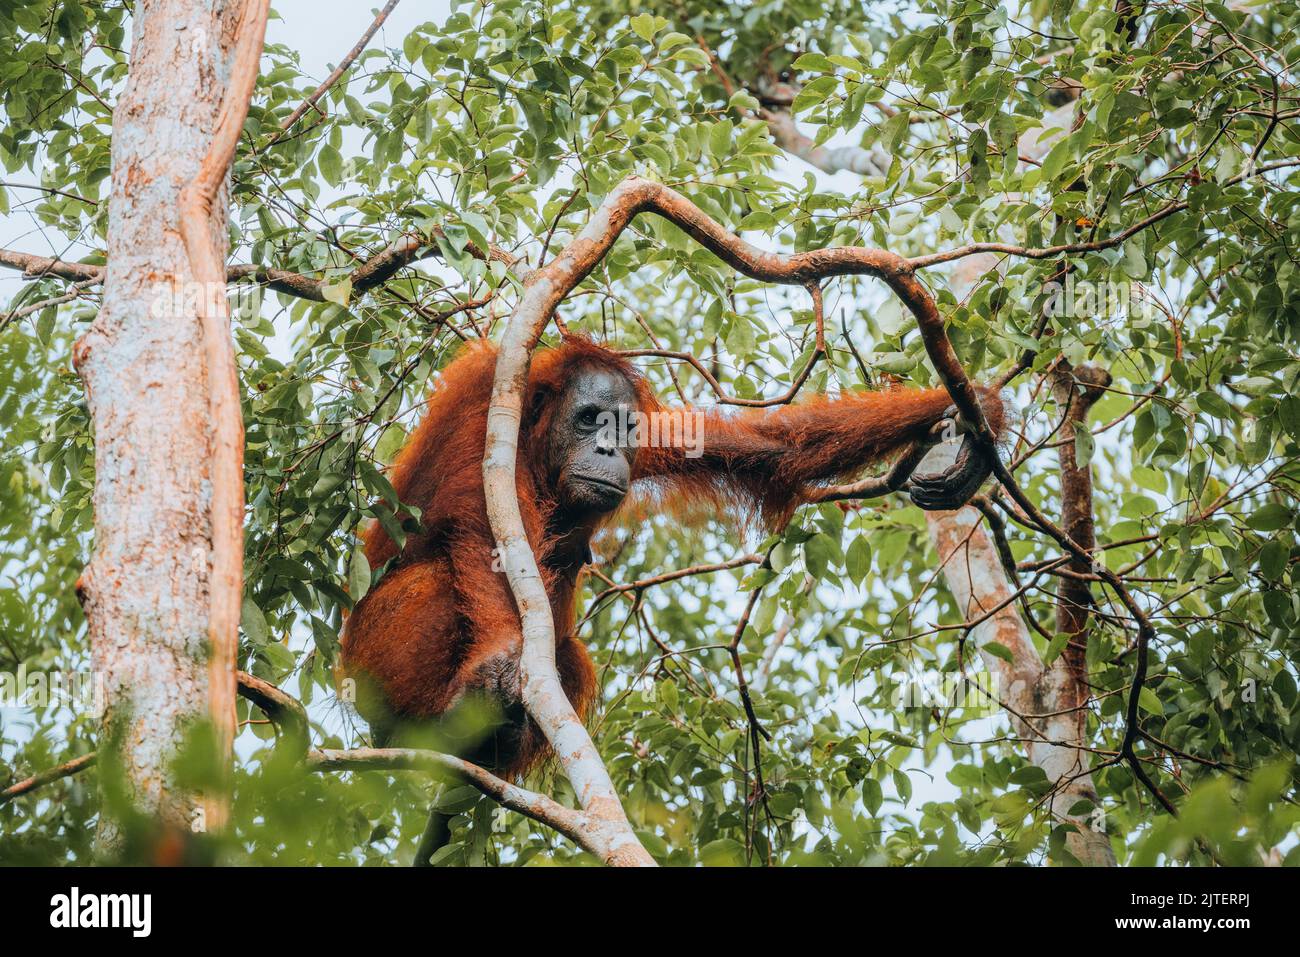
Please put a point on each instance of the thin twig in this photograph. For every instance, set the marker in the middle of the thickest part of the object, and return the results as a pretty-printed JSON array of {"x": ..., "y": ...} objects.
[{"x": 338, "y": 71}]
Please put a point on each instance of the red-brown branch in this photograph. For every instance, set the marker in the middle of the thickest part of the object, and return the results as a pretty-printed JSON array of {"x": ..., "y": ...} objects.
[
  {"x": 375, "y": 271},
  {"x": 1077, "y": 390}
]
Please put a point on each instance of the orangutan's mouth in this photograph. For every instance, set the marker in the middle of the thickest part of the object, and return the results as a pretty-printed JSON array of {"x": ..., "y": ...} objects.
[{"x": 603, "y": 483}]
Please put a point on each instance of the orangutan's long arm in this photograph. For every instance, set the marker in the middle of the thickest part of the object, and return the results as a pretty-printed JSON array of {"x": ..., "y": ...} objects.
[{"x": 766, "y": 458}]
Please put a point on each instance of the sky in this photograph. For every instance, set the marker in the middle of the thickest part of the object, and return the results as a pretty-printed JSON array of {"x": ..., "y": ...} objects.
[{"x": 323, "y": 31}]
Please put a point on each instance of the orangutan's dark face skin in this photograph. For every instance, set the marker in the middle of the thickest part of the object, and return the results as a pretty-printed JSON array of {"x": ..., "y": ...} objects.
[{"x": 590, "y": 456}]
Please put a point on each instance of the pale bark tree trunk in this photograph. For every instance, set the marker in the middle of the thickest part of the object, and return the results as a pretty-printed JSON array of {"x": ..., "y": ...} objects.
[
  {"x": 1025, "y": 687},
  {"x": 166, "y": 566}
]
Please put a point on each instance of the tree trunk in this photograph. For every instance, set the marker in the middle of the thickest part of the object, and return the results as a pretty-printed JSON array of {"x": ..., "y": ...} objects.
[
  {"x": 1076, "y": 391},
  {"x": 158, "y": 588},
  {"x": 1025, "y": 687}
]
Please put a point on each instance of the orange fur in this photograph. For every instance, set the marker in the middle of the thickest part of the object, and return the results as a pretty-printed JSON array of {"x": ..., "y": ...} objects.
[{"x": 441, "y": 620}]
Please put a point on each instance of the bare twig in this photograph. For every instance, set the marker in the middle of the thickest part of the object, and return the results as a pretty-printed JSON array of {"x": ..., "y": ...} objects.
[
  {"x": 338, "y": 71},
  {"x": 42, "y": 778}
]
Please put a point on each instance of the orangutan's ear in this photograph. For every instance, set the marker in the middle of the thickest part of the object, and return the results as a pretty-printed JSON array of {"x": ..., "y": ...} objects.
[{"x": 539, "y": 397}]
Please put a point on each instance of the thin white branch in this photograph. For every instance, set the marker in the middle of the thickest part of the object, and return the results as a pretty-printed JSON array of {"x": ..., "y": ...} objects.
[{"x": 828, "y": 159}]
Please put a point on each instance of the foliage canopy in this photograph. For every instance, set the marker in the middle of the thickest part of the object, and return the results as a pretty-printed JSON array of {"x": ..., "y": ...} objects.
[{"x": 503, "y": 125}]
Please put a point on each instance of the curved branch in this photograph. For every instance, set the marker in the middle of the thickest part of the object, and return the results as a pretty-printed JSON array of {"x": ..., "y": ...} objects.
[
  {"x": 285, "y": 711},
  {"x": 538, "y": 807},
  {"x": 636, "y": 195},
  {"x": 572, "y": 824},
  {"x": 544, "y": 290}
]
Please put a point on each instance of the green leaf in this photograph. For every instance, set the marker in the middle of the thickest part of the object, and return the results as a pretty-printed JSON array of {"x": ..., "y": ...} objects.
[
  {"x": 1055, "y": 161},
  {"x": 814, "y": 62},
  {"x": 1084, "y": 445},
  {"x": 858, "y": 559},
  {"x": 1214, "y": 405},
  {"x": 331, "y": 164},
  {"x": 1273, "y": 560},
  {"x": 339, "y": 292},
  {"x": 1055, "y": 647},
  {"x": 1031, "y": 775},
  {"x": 668, "y": 694},
  {"x": 724, "y": 852},
  {"x": 643, "y": 25},
  {"x": 1271, "y": 517},
  {"x": 903, "y": 784},
  {"x": 720, "y": 140},
  {"x": 872, "y": 795},
  {"x": 358, "y": 575},
  {"x": 814, "y": 92},
  {"x": 1135, "y": 263},
  {"x": 1149, "y": 701},
  {"x": 999, "y": 650},
  {"x": 253, "y": 622}
]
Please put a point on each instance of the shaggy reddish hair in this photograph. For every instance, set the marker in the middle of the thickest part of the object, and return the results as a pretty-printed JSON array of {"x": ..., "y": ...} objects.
[{"x": 443, "y": 619}]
